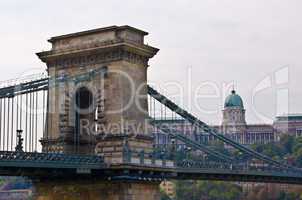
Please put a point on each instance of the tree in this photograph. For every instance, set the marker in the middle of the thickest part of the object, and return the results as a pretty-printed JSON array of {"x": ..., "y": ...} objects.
[
  {"x": 288, "y": 196},
  {"x": 287, "y": 142},
  {"x": 298, "y": 157},
  {"x": 164, "y": 196},
  {"x": 207, "y": 190}
]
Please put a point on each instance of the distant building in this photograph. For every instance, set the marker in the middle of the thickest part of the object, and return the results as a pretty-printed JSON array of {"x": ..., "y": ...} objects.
[
  {"x": 234, "y": 126},
  {"x": 288, "y": 124}
]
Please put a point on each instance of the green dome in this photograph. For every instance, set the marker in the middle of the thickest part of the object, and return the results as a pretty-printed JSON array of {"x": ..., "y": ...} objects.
[{"x": 233, "y": 100}]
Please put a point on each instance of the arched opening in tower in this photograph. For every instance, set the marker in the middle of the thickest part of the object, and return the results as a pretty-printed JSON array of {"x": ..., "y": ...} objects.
[
  {"x": 84, "y": 98},
  {"x": 84, "y": 115}
]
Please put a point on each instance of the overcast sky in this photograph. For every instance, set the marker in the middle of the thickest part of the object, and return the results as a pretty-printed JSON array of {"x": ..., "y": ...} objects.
[{"x": 204, "y": 45}]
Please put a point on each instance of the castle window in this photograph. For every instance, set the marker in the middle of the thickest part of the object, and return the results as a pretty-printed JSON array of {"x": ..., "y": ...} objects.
[{"x": 299, "y": 132}]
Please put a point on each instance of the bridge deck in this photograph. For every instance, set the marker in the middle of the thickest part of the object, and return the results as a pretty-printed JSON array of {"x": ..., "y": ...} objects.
[{"x": 37, "y": 165}]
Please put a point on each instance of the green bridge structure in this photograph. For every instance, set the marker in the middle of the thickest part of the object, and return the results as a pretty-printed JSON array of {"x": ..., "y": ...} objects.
[{"x": 41, "y": 137}]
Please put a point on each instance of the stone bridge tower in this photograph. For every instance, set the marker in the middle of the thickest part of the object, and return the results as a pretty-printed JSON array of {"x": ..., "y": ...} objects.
[
  {"x": 97, "y": 103},
  {"x": 98, "y": 92}
]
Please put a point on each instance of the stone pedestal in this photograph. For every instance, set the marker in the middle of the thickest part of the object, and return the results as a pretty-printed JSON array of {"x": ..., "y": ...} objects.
[
  {"x": 112, "y": 148},
  {"x": 53, "y": 190}
]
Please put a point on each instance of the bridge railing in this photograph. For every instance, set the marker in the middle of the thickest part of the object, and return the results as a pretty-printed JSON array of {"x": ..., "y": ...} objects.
[
  {"x": 165, "y": 159},
  {"x": 48, "y": 160}
]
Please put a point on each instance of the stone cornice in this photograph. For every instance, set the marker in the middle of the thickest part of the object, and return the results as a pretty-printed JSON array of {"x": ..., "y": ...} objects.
[
  {"x": 98, "y": 30},
  {"x": 99, "y": 53}
]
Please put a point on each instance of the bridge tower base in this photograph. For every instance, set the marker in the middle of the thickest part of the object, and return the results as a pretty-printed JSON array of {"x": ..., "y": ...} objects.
[{"x": 60, "y": 190}]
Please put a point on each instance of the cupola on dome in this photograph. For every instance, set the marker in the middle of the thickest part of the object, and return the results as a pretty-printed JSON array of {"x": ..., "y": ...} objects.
[{"x": 233, "y": 100}]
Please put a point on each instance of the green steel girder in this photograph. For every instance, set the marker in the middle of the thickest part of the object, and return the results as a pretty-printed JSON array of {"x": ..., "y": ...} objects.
[
  {"x": 45, "y": 83},
  {"x": 23, "y": 88},
  {"x": 192, "y": 143}
]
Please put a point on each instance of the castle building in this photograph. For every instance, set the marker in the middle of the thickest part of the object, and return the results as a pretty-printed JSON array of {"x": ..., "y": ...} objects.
[{"x": 235, "y": 127}]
